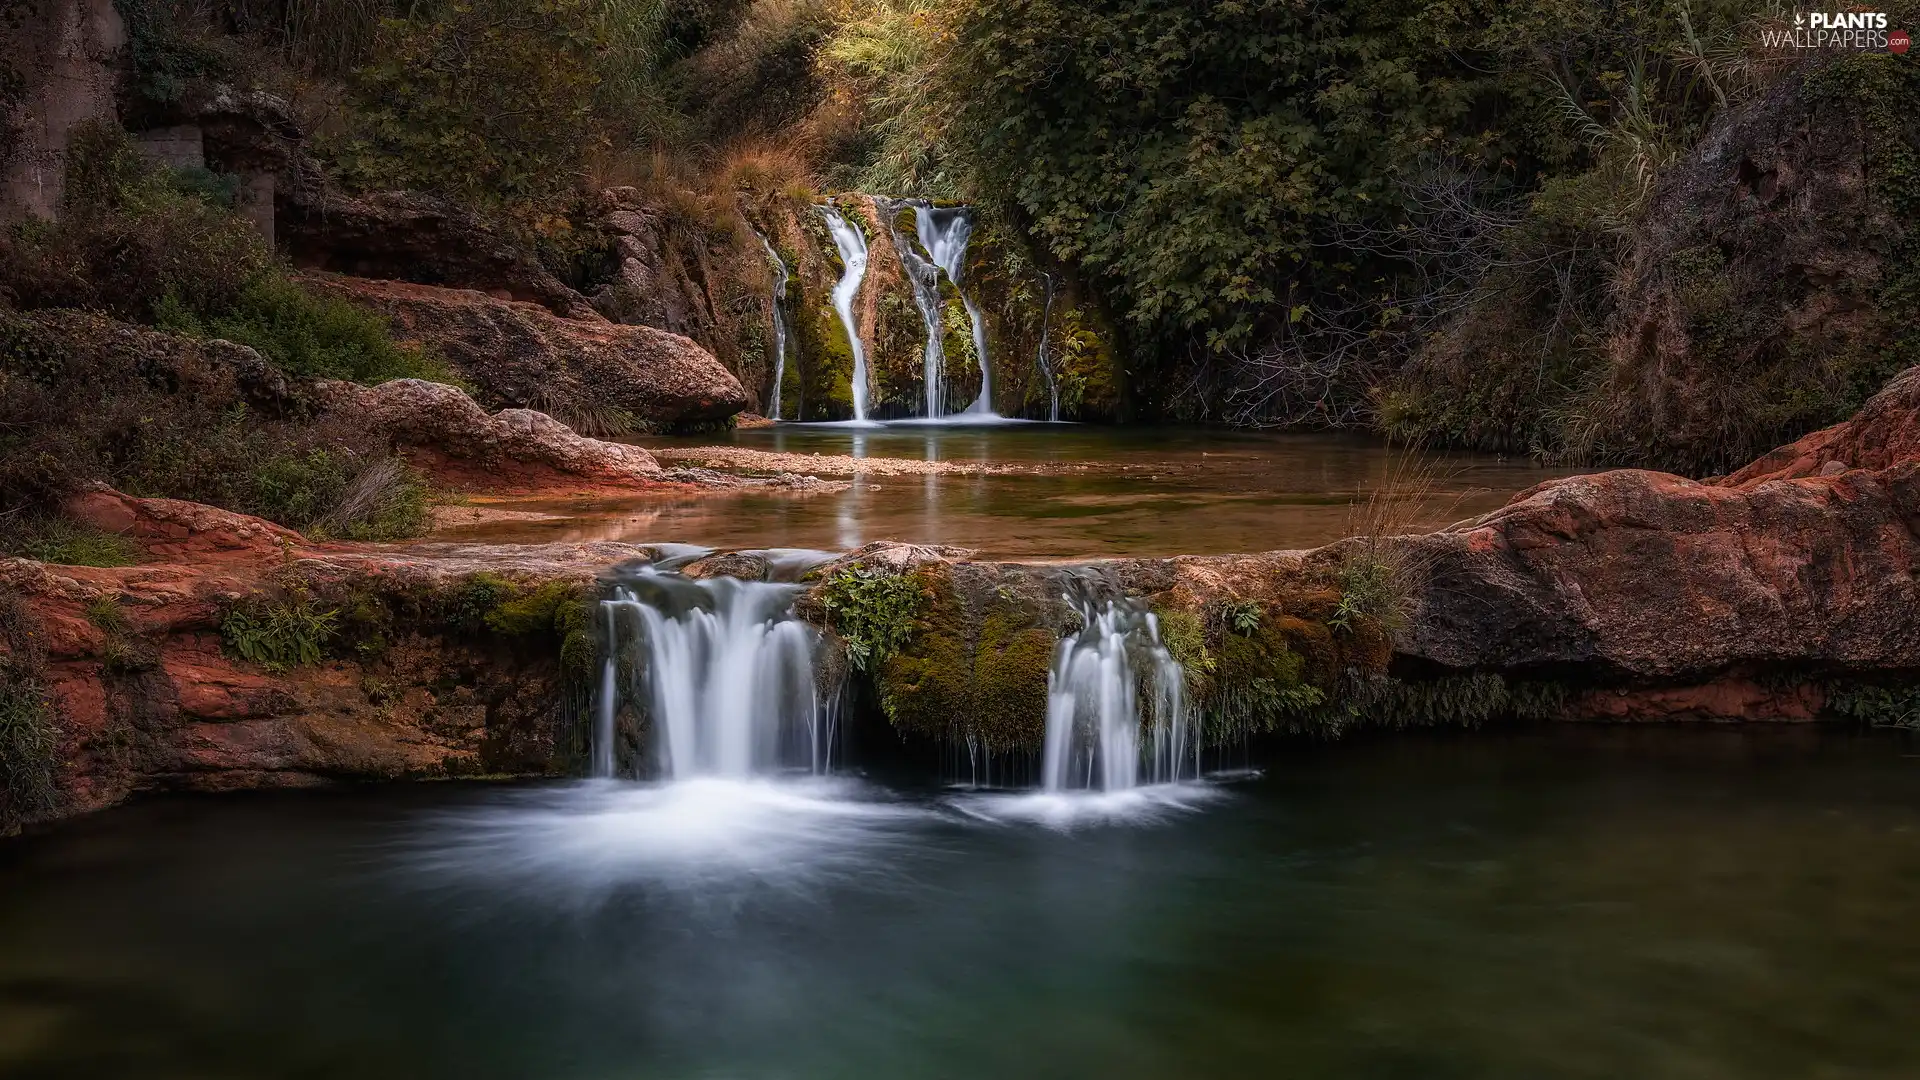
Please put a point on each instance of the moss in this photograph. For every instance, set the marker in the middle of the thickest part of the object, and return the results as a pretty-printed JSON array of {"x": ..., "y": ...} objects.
[
  {"x": 975, "y": 671},
  {"x": 823, "y": 361},
  {"x": 1467, "y": 701}
]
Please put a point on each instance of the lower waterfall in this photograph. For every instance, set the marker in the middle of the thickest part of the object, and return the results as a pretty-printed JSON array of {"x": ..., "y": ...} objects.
[
  {"x": 1117, "y": 712},
  {"x": 725, "y": 672}
]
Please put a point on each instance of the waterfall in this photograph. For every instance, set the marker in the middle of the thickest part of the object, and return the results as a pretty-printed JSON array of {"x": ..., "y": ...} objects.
[
  {"x": 1112, "y": 683},
  {"x": 780, "y": 279},
  {"x": 1045, "y": 361},
  {"x": 853, "y": 256},
  {"x": 924, "y": 276},
  {"x": 725, "y": 672},
  {"x": 944, "y": 234}
]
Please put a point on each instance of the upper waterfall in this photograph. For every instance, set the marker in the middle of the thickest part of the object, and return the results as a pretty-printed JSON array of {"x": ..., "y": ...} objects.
[
  {"x": 924, "y": 276},
  {"x": 944, "y": 234},
  {"x": 781, "y": 276},
  {"x": 853, "y": 256}
]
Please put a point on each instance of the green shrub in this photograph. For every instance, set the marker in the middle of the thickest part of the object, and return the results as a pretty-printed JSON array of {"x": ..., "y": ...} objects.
[
  {"x": 308, "y": 336},
  {"x": 873, "y": 611},
  {"x": 129, "y": 236},
  {"x": 334, "y": 494},
  {"x": 29, "y": 747},
  {"x": 279, "y": 634},
  {"x": 57, "y": 540}
]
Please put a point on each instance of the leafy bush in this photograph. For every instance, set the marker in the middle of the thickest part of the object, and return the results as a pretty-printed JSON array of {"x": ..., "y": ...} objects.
[
  {"x": 166, "y": 417},
  {"x": 308, "y": 336},
  {"x": 130, "y": 235},
  {"x": 279, "y": 634},
  {"x": 873, "y": 611},
  {"x": 489, "y": 102}
]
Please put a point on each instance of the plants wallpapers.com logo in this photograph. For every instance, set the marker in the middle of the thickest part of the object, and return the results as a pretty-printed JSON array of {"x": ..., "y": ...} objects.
[{"x": 1860, "y": 31}]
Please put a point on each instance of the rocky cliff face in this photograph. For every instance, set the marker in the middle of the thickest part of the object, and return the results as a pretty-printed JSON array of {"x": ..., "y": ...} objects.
[
  {"x": 717, "y": 286},
  {"x": 1768, "y": 279},
  {"x": 56, "y": 73}
]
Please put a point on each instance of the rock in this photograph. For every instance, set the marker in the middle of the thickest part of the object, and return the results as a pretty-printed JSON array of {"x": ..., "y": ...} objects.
[
  {"x": 1886, "y": 430},
  {"x": 403, "y": 236},
  {"x": 520, "y": 355},
  {"x": 420, "y": 413},
  {"x": 58, "y": 70}
]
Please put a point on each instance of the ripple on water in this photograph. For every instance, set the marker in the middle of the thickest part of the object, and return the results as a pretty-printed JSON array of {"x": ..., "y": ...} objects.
[{"x": 1071, "y": 810}]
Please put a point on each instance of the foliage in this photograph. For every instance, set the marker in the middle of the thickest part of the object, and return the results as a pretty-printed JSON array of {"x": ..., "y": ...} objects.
[
  {"x": 29, "y": 727},
  {"x": 279, "y": 633},
  {"x": 306, "y": 335},
  {"x": 333, "y": 494},
  {"x": 491, "y": 102},
  {"x": 873, "y": 611},
  {"x": 52, "y": 539},
  {"x": 130, "y": 235},
  {"x": 1880, "y": 706},
  {"x": 29, "y": 745}
]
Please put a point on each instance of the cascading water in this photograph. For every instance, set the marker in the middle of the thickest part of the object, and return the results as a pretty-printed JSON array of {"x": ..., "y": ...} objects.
[
  {"x": 1046, "y": 361},
  {"x": 853, "y": 256},
  {"x": 924, "y": 276},
  {"x": 726, "y": 672},
  {"x": 781, "y": 277},
  {"x": 944, "y": 233},
  {"x": 1111, "y": 684}
]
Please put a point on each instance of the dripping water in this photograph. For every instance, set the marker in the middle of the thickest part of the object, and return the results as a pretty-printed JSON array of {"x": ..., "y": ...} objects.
[
  {"x": 1046, "y": 361},
  {"x": 853, "y": 256},
  {"x": 1117, "y": 712},
  {"x": 781, "y": 277},
  {"x": 924, "y": 277},
  {"x": 945, "y": 233}
]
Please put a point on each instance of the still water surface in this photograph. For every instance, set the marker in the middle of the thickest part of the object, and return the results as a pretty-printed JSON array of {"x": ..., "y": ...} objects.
[
  {"x": 1099, "y": 492},
  {"x": 1577, "y": 903}
]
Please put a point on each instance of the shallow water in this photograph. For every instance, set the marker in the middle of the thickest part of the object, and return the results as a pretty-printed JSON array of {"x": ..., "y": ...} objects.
[
  {"x": 1106, "y": 492},
  {"x": 1604, "y": 903}
]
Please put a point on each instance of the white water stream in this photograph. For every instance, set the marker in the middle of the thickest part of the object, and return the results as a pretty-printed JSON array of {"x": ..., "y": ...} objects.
[
  {"x": 726, "y": 672},
  {"x": 781, "y": 276},
  {"x": 853, "y": 258}
]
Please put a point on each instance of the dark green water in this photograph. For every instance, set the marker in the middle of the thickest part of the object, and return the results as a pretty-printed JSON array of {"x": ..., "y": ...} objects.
[{"x": 1604, "y": 903}]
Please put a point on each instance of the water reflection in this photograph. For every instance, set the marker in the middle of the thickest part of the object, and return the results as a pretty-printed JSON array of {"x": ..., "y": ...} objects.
[{"x": 1098, "y": 492}]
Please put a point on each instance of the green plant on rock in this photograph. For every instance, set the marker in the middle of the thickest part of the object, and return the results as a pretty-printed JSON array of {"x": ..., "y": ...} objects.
[
  {"x": 51, "y": 539},
  {"x": 279, "y": 633},
  {"x": 29, "y": 746},
  {"x": 873, "y": 611},
  {"x": 557, "y": 608},
  {"x": 1879, "y": 706},
  {"x": 307, "y": 335}
]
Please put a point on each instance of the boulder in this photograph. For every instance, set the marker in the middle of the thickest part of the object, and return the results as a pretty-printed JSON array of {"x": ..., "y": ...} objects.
[
  {"x": 521, "y": 355},
  {"x": 444, "y": 418}
]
